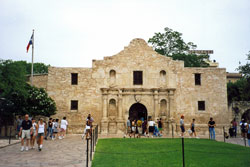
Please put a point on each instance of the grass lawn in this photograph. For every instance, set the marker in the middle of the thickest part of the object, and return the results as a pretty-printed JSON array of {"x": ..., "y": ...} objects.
[{"x": 168, "y": 152}]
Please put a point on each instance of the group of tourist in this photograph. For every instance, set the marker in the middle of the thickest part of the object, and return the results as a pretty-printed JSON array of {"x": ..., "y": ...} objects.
[
  {"x": 192, "y": 132},
  {"x": 37, "y": 131},
  {"x": 142, "y": 127}
]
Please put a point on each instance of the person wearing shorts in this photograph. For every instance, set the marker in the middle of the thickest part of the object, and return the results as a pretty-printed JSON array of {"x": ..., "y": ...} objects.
[
  {"x": 133, "y": 128},
  {"x": 182, "y": 126},
  {"x": 55, "y": 129},
  {"x": 139, "y": 128},
  {"x": 41, "y": 130},
  {"x": 160, "y": 126},
  {"x": 151, "y": 127},
  {"x": 25, "y": 132},
  {"x": 19, "y": 124},
  {"x": 192, "y": 127},
  {"x": 128, "y": 131},
  {"x": 33, "y": 135},
  {"x": 64, "y": 124}
]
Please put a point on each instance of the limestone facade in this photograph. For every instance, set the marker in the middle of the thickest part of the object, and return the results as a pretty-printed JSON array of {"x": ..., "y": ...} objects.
[{"x": 108, "y": 91}]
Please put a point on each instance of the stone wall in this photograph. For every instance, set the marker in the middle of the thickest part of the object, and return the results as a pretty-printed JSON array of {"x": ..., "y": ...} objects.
[
  {"x": 39, "y": 80},
  {"x": 165, "y": 83}
]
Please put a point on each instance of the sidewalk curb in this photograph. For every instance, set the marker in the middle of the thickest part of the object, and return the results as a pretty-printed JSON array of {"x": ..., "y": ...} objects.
[{"x": 10, "y": 144}]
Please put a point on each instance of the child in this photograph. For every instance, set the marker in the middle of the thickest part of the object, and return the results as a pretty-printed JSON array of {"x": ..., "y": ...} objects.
[{"x": 192, "y": 127}]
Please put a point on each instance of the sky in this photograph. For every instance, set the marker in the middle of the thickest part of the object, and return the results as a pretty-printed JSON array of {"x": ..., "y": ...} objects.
[{"x": 71, "y": 33}]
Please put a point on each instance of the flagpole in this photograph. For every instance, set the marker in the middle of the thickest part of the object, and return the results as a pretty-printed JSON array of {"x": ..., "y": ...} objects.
[{"x": 32, "y": 59}]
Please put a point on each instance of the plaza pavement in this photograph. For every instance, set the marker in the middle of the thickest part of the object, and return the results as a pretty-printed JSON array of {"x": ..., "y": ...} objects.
[{"x": 68, "y": 152}]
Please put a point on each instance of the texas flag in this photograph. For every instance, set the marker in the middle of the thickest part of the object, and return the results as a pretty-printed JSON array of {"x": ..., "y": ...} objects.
[{"x": 30, "y": 43}]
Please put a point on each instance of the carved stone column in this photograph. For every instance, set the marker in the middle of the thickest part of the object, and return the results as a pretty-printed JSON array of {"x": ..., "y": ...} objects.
[
  {"x": 156, "y": 104},
  {"x": 168, "y": 106},
  {"x": 120, "y": 122},
  {"x": 104, "y": 122}
]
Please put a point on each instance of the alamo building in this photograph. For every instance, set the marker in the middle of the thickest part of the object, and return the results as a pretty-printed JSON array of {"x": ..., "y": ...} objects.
[{"x": 138, "y": 82}]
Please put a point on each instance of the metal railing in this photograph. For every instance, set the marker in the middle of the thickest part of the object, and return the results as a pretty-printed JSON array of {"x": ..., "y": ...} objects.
[{"x": 91, "y": 144}]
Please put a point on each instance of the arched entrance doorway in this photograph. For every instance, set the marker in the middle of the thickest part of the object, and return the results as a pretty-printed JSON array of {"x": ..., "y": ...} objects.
[
  {"x": 138, "y": 111},
  {"x": 246, "y": 115}
]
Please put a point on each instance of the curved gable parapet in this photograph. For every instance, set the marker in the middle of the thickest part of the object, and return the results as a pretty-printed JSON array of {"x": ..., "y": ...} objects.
[{"x": 138, "y": 52}]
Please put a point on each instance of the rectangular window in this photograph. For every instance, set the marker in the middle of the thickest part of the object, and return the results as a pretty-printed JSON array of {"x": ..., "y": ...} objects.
[
  {"x": 74, "y": 105},
  {"x": 74, "y": 78},
  {"x": 201, "y": 105},
  {"x": 138, "y": 78},
  {"x": 197, "y": 79}
]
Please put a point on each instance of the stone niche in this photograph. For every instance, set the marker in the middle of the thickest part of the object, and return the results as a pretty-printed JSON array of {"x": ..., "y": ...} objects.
[{"x": 112, "y": 112}]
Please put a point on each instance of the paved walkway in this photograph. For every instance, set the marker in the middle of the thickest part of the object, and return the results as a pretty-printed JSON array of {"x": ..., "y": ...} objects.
[
  {"x": 238, "y": 141},
  {"x": 5, "y": 142},
  {"x": 69, "y": 152}
]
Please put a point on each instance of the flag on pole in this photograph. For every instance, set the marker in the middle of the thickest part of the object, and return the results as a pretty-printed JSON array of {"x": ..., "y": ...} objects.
[{"x": 30, "y": 43}]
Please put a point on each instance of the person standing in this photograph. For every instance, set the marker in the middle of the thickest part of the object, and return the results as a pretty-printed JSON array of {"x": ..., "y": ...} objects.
[
  {"x": 145, "y": 127},
  {"x": 64, "y": 124},
  {"x": 139, "y": 128},
  {"x": 33, "y": 135},
  {"x": 49, "y": 129},
  {"x": 234, "y": 125},
  {"x": 160, "y": 125},
  {"x": 182, "y": 126},
  {"x": 40, "y": 132},
  {"x": 25, "y": 131},
  {"x": 151, "y": 127},
  {"x": 248, "y": 133},
  {"x": 211, "y": 126},
  {"x": 133, "y": 128},
  {"x": 243, "y": 126},
  {"x": 55, "y": 129},
  {"x": 128, "y": 130},
  {"x": 19, "y": 124},
  {"x": 91, "y": 120}
]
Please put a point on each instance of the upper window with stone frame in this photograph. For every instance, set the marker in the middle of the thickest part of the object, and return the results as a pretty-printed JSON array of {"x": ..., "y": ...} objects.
[
  {"x": 138, "y": 78},
  {"x": 197, "y": 79},
  {"x": 74, "y": 78},
  {"x": 201, "y": 106},
  {"x": 74, "y": 105}
]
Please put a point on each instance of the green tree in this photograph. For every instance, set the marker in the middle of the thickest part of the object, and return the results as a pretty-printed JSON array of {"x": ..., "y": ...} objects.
[
  {"x": 17, "y": 97},
  {"x": 245, "y": 69},
  {"x": 192, "y": 60},
  {"x": 38, "y": 68},
  {"x": 171, "y": 44},
  {"x": 39, "y": 103}
]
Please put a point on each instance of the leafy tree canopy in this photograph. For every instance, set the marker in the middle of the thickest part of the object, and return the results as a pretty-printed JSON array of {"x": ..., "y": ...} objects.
[
  {"x": 240, "y": 90},
  {"x": 19, "y": 98},
  {"x": 171, "y": 44},
  {"x": 245, "y": 69}
]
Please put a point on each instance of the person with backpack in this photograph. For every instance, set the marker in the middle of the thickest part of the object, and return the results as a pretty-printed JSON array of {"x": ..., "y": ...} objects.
[
  {"x": 243, "y": 126},
  {"x": 55, "y": 129}
]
